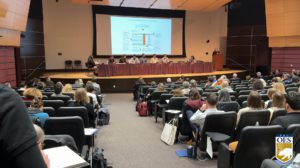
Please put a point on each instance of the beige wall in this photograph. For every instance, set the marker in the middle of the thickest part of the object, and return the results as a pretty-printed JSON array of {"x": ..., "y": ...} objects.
[{"x": 68, "y": 29}]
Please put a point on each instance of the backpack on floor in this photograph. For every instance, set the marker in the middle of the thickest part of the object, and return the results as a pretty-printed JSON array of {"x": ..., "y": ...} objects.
[
  {"x": 98, "y": 160},
  {"x": 143, "y": 108},
  {"x": 103, "y": 116}
]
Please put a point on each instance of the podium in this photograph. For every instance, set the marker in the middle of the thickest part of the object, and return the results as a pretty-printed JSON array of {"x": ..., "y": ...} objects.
[{"x": 217, "y": 62}]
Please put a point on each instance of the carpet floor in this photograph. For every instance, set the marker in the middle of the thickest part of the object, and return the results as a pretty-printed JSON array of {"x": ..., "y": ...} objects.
[{"x": 130, "y": 141}]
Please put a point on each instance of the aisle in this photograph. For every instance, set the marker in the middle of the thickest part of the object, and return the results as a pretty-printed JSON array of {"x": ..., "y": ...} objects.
[{"x": 134, "y": 142}]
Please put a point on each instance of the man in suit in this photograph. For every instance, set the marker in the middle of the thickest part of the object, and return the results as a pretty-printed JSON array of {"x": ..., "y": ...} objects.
[{"x": 293, "y": 111}]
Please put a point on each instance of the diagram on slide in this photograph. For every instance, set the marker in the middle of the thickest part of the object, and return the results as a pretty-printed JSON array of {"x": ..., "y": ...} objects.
[{"x": 141, "y": 35}]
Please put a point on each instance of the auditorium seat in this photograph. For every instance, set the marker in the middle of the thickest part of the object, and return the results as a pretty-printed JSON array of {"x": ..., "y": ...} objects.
[
  {"x": 244, "y": 92},
  {"x": 153, "y": 99},
  {"x": 228, "y": 106},
  {"x": 161, "y": 104},
  {"x": 72, "y": 126},
  {"x": 71, "y": 95},
  {"x": 251, "y": 118},
  {"x": 291, "y": 128},
  {"x": 220, "y": 132},
  {"x": 74, "y": 111},
  {"x": 241, "y": 99},
  {"x": 64, "y": 98},
  {"x": 175, "y": 103},
  {"x": 238, "y": 89},
  {"x": 255, "y": 145},
  {"x": 277, "y": 113},
  {"x": 291, "y": 89},
  {"x": 53, "y": 103},
  {"x": 50, "y": 111},
  {"x": 48, "y": 94}
]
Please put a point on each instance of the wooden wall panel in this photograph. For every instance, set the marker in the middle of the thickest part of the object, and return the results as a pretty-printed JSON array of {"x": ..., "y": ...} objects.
[
  {"x": 286, "y": 58},
  {"x": 283, "y": 22},
  {"x": 7, "y": 66},
  {"x": 9, "y": 37}
]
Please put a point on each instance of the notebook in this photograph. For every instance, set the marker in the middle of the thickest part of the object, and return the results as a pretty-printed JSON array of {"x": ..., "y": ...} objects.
[{"x": 64, "y": 157}]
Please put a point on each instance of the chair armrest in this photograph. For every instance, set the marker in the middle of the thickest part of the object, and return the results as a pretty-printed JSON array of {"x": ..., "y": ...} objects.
[
  {"x": 162, "y": 105},
  {"x": 268, "y": 163},
  {"x": 154, "y": 101},
  {"x": 84, "y": 152},
  {"x": 224, "y": 156},
  {"x": 217, "y": 137}
]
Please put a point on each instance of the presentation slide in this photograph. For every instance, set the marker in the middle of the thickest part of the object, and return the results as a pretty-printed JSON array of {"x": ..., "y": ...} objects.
[
  {"x": 135, "y": 35},
  {"x": 129, "y": 35}
]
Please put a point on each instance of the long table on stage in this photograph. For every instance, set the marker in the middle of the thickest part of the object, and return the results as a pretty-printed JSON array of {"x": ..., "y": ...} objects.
[{"x": 105, "y": 70}]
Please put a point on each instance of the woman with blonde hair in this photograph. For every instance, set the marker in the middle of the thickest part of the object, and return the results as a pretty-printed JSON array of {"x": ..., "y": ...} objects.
[
  {"x": 279, "y": 87},
  {"x": 278, "y": 102},
  {"x": 82, "y": 99},
  {"x": 68, "y": 88},
  {"x": 31, "y": 93}
]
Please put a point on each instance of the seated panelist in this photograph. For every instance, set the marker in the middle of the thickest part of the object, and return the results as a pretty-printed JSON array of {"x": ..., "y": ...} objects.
[
  {"x": 154, "y": 59},
  {"x": 134, "y": 60},
  {"x": 90, "y": 62},
  {"x": 165, "y": 59},
  {"x": 111, "y": 59},
  {"x": 123, "y": 60},
  {"x": 143, "y": 59}
]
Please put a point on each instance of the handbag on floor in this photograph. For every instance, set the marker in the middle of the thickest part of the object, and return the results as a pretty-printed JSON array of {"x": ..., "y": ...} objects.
[
  {"x": 143, "y": 108},
  {"x": 169, "y": 133}
]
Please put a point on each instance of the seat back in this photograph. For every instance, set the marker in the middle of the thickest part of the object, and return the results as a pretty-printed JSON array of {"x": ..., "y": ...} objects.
[
  {"x": 164, "y": 97},
  {"x": 176, "y": 103},
  {"x": 71, "y": 95},
  {"x": 54, "y": 103},
  {"x": 241, "y": 99},
  {"x": 256, "y": 144},
  {"x": 244, "y": 92},
  {"x": 50, "y": 111},
  {"x": 155, "y": 95},
  {"x": 64, "y": 98},
  {"x": 292, "y": 89},
  {"x": 264, "y": 97},
  {"x": 221, "y": 123},
  {"x": 228, "y": 106},
  {"x": 250, "y": 118},
  {"x": 291, "y": 128},
  {"x": 277, "y": 113},
  {"x": 74, "y": 111},
  {"x": 48, "y": 94},
  {"x": 72, "y": 126}
]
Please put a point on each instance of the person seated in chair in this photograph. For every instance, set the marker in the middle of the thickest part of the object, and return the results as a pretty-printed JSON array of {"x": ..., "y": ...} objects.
[
  {"x": 35, "y": 111},
  {"x": 134, "y": 60},
  {"x": 292, "y": 108},
  {"x": 123, "y": 60},
  {"x": 31, "y": 93},
  {"x": 91, "y": 93},
  {"x": 165, "y": 59},
  {"x": 278, "y": 102},
  {"x": 154, "y": 59},
  {"x": 82, "y": 99},
  {"x": 210, "y": 107},
  {"x": 90, "y": 62},
  {"x": 111, "y": 60},
  {"x": 191, "y": 105},
  {"x": 58, "y": 89}
]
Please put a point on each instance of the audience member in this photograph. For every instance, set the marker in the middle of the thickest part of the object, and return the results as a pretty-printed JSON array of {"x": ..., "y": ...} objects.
[
  {"x": 293, "y": 111},
  {"x": 224, "y": 96},
  {"x": 275, "y": 80},
  {"x": 49, "y": 83},
  {"x": 160, "y": 88},
  {"x": 191, "y": 105},
  {"x": 253, "y": 103},
  {"x": 67, "y": 88},
  {"x": 270, "y": 93},
  {"x": 257, "y": 85},
  {"x": 278, "y": 102},
  {"x": 58, "y": 89},
  {"x": 235, "y": 77},
  {"x": 40, "y": 85},
  {"x": 96, "y": 86},
  {"x": 209, "y": 83},
  {"x": 35, "y": 111},
  {"x": 210, "y": 107},
  {"x": 91, "y": 93},
  {"x": 225, "y": 86},
  {"x": 78, "y": 83},
  {"x": 186, "y": 88},
  {"x": 221, "y": 80},
  {"x": 18, "y": 147},
  {"x": 165, "y": 59},
  {"x": 279, "y": 87},
  {"x": 31, "y": 93},
  {"x": 286, "y": 78},
  {"x": 154, "y": 59},
  {"x": 180, "y": 80},
  {"x": 82, "y": 99},
  {"x": 177, "y": 93},
  {"x": 40, "y": 136}
]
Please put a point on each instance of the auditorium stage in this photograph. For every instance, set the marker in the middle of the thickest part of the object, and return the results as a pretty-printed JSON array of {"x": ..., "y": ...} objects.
[{"x": 126, "y": 83}]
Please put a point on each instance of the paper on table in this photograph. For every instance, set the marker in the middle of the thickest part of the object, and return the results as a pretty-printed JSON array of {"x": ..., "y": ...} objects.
[
  {"x": 168, "y": 101},
  {"x": 173, "y": 111},
  {"x": 209, "y": 149},
  {"x": 90, "y": 131},
  {"x": 61, "y": 157}
]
